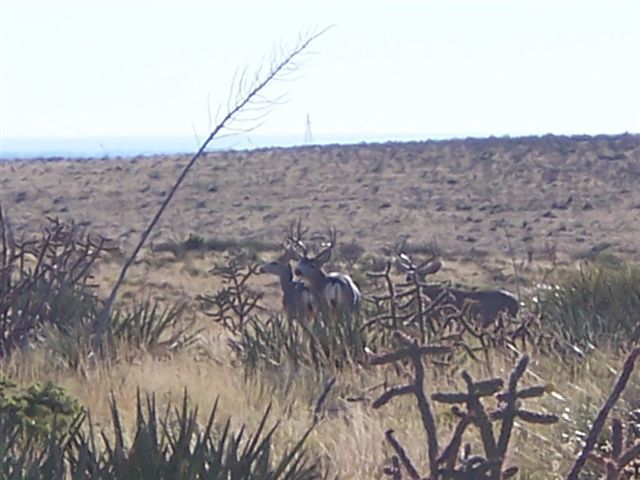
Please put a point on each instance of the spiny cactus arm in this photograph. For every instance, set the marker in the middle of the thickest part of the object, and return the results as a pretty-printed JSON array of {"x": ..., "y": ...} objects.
[
  {"x": 532, "y": 392},
  {"x": 449, "y": 455},
  {"x": 391, "y": 291},
  {"x": 480, "y": 417},
  {"x": 409, "y": 348},
  {"x": 517, "y": 372},
  {"x": 392, "y": 393},
  {"x": 535, "y": 417},
  {"x": 510, "y": 409},
  {"x": 475, "y": 414},
  {"x": 487, "y": 388},
  {"x": 450, "y": 397},
  {"x": 600, "y": 419},
  {"x": 617, "y": 438},
  {"x": 402, "y": 455},
  {"x": 428, "y": 419}
]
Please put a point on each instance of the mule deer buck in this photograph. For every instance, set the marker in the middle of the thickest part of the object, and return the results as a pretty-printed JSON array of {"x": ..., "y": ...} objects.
[
  {"x": 486, "y": 305},
  {"x": 335, "y": 293},
  {"x": 297, "y": 300}
]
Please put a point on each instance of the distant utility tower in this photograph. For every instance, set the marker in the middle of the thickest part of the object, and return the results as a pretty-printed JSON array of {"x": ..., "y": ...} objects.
[{"x": 308, "y": 138}]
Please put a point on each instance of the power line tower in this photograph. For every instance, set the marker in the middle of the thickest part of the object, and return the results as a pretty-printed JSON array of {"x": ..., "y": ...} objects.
[{"x": 308, "y": 138}]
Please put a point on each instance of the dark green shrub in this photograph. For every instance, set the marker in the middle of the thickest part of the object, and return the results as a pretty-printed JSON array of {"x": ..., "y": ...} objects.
[
  {"x": 37, "y": 410},
  {"x": 36, "y": 424}
]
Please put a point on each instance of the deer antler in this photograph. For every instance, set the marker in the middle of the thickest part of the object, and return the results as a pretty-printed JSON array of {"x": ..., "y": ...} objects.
[{"x": 293, "y": 241}]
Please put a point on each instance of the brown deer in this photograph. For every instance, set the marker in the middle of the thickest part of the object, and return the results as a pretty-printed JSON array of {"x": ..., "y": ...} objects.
[
  {"x": 336, "y": 294},
  {"x": 297, "y": 299},
  {"x": 486, "y": 305}
]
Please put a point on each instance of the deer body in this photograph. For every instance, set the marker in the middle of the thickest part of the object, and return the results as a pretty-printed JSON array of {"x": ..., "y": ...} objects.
[
  {"x": 486, "y": 305},
  {"x": 297, "y": 299},
  {"x": 335, "y": 293}
]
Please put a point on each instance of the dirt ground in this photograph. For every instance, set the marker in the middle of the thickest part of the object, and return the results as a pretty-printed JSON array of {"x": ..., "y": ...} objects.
[{"x": 488, "y": 204}]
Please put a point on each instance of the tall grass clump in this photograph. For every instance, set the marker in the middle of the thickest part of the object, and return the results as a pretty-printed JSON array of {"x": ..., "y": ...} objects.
[
  {"x": 594, "y": 306},
  {"x": 277, "y": 342},
  {"x": 154, "y": 327}
]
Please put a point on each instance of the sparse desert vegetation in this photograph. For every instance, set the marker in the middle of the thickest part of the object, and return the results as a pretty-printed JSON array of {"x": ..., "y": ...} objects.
[{"x": 410, "y": 387}]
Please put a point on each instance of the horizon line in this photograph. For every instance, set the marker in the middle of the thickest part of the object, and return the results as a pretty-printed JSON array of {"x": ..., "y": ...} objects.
[{"x": 25, "y": 148}]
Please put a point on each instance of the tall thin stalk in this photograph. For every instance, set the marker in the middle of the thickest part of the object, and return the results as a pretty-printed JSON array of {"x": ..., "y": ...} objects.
[{"x": 252, "y": 99}]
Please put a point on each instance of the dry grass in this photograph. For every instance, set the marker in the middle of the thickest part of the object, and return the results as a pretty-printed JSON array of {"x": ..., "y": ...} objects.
[{"x": 351, "y": 436}]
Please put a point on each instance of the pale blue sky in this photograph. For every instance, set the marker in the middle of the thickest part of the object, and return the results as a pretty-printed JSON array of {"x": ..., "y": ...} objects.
[{"x": 89, "y": 68}]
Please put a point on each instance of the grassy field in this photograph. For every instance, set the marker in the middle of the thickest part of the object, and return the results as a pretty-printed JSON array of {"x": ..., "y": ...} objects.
[{"x": 505, "y": 213}]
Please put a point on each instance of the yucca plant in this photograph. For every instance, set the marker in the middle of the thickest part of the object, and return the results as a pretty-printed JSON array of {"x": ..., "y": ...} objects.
[
  {"x": 167, "y": 444},
  {"x": 174, "y": 445},
  {"x": 153, "y": 327}
]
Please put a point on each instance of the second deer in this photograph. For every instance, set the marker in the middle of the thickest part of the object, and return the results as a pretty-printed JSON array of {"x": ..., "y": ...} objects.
[
  {"x": 296, "y": 296},
  {"x": 486, "y": 305}
]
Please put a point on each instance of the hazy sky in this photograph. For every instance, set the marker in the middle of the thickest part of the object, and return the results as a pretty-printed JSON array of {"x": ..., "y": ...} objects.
[{"x": 89, "y": 68}]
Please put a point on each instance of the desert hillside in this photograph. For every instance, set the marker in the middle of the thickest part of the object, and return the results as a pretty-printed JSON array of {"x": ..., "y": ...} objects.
[{"x": 477, "y": 198}]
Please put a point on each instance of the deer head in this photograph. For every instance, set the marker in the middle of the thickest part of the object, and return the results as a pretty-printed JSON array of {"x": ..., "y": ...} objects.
[{"x": 417, "y": 272}]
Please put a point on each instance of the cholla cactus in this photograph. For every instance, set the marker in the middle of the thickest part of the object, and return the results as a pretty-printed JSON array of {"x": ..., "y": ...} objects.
[{"x": 469, "y": 408}]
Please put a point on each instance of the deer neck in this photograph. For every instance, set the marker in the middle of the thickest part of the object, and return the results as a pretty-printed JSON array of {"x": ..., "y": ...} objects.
[
  {"x": 318, "y": 280},
  {"x": 286, "y": 278}
]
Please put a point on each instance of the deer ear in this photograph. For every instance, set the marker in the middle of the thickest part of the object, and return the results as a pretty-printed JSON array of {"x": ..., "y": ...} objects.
[
  {"x": 402, "y": 264},
  {"x": 432, "y": 267},
  {"x": 290, "y": 253},
  {"x": 323, "y": 257}
]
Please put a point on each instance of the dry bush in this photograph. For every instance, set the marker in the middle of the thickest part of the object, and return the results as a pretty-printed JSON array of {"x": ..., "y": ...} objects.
[{"x": 46, "y": 282}]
